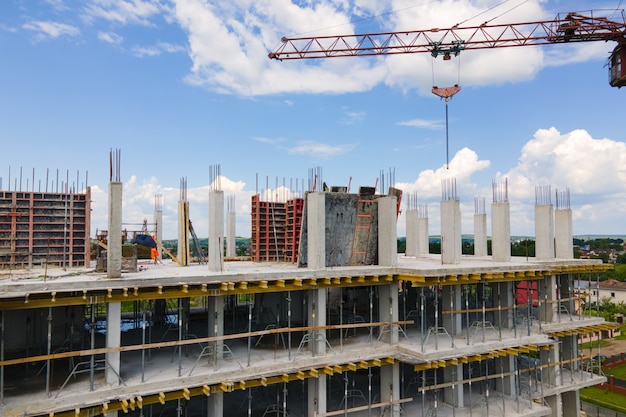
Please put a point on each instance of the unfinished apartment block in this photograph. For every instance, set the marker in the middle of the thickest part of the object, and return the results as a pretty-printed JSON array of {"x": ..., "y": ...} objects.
[
  {"x": 44, "y": 228},
  {"x": 407, "y": 336}
]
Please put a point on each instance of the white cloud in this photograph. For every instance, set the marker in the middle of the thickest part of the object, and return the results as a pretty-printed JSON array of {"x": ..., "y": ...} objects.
[
  {"x": 422, "y": 124},
  {"x": 320, "y": 150},
  {"x": 574, "y": 160},
  {"x": 48, "y": 29},
  {"x": 158, "y": 49},
  {"x": 463, "y": 165},
  {"x": 110, "y": 37},
  {"x": 138, "y": 204},
  {"x": 229, "y": 42},
  {"x": 270, "y": 141},
  {"x": 124, "y": 11},
  {"x": 353, "y": 117}
]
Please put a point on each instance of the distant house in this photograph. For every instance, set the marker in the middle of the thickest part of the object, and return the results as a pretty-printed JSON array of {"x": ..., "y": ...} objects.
[{"x": 611, "y": 289}]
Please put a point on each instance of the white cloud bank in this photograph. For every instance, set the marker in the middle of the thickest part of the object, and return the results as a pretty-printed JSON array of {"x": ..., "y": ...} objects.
[
  {"x": 229, "y": 43},
  {"x": 594, "y": 170}
]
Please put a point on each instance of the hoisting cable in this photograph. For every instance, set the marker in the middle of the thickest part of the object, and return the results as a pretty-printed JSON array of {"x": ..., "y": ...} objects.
[{"x": 446, "y": 92}]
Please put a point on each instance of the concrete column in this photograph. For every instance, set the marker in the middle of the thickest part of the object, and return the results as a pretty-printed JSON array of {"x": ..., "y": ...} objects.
[
  {"x": 556, "y": 405},
  {"x": 563, "y": 234},
  {"x": 547, "y": 295},
  {"x": 506, "y": 365},
  {"x": 388, "y": 311},
  {"x": 183, "y": 232},
  {"x": 503, "y": 297},
  {"x": 544, "y": 232},
  {"x": 231, "y": 244},
  {"x": 216, "y": 230},
  {"x": 411, "y": 233},
  {"x": 450, "y": 232},
  {"x": 453, "y": 397},
  {"x": 480, "y": 235},
  {"x": 571, "y": 403},
  {"x": 317, "y": 317},
  {"x": 114, "y": 340},
  {"x": 387, "y": 232},
  {"x": 450, "y": 301},
  {"x": 316, "y": 230},
  {"x": 422, "y": 236},
  {"x": 551, "y": 376},
  {"x": 390, "y": 388},
  {"x": 114, "y": 241},
  {"x": 216, "y": 323},
  {"x": 158, "y": 222},
  {"x": 501, "y": 232},
  {"x": 569, "y": 346},
  {"x": 215, "y": 403},
  {"x": 317, "y": 396}
]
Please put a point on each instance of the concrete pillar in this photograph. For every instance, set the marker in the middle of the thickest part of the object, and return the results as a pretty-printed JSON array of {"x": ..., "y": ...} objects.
[
  {"x": 114, "y": 340},
  {"x": 317, "y": 317},
  {"x": 480, "y": 235},
  {"x": 183, "y": 232},
  {"x": 390, "y": 388},
  {"x": 563, "y": 234},
  {"x": 216, "y": 322},
  {"x": 544, "y": 232},
  {"x": 450, "y": 232},
  {"x": 387, "y": 231},
  {"x": 114, "y": 241},
  {"x": 411, "y": 233},
  {"x": 569, "y": 346},
  {"x": 216, "y": 230},
  {"x": 506, "y": 365},
  {"x": 231, "y": 244},
  {"x": 215, "y": 403},
  {"x": 422, "y": 236},
  {"x": 503, "y": 297},
  {"x": 547, "y": 295},
  {"x": 453, "y": 397},
  {"x": 158, "y": 223},
  {"x": 451, "y": 300},
  {"x": 571, "y": 403},
  {"x": 316, "y": 230},
  {"x": 556, "y": 405},
  {"x": 501, "y": 232},
  {"x": 551, "y": 375},
  {"x": 388, "y": 311},
  {"x": 317, "y": 396}
]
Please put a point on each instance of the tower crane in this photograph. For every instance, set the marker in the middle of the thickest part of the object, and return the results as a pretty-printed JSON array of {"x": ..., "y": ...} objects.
[{"x": 566, "y": 28}]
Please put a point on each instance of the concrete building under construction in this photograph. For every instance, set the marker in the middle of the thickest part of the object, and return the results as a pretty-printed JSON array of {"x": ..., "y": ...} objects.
[{"x": 410, "y": 334}]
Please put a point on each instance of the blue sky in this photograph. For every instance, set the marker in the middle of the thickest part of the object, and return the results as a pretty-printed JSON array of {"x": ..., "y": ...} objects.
[{"x": 182, "y": 85}]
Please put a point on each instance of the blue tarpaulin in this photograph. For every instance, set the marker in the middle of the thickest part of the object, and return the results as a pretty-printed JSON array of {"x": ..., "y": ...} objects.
[{"x": 144, "y": 240}]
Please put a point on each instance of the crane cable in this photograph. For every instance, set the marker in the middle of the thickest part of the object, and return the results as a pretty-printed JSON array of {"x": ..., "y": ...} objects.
[{"x": 447, "y": 93}]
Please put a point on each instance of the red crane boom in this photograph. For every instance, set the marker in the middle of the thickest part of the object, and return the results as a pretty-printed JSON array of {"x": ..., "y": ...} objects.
[{"x": 567, "y": 28}]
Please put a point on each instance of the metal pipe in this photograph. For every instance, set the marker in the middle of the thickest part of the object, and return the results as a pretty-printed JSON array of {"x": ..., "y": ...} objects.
[
  {"x": 1, "y": 356},
  {"x": 422, "y": 316},
  {"x": 289, "y": 323},
  {"x": 143, "y": 339},
  {"x": 92, "y": 358},
  {"x": 49, "y": 350},
  {"x": 467, "y": 319},
  {"x": 250, "y": 327},
  {"x": 180, "y": 337}
]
